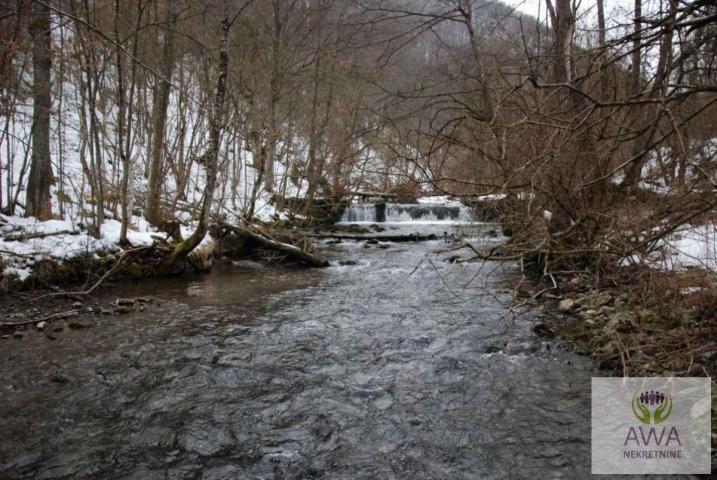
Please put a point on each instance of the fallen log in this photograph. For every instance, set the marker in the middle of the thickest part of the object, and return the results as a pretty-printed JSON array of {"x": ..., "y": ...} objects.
[
  {"x": 496, "y": 253},
  {"x": 385, "y": 196},
  {"x": 30, "y": 236},
  {"x": 410, "y": 237},
  {"x": 20, "y": 255},
  {"x": 266, "y": 241}
]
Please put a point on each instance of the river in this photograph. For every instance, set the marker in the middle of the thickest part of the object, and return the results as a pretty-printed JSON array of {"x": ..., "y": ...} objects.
[{"x": 402, "y": 366}]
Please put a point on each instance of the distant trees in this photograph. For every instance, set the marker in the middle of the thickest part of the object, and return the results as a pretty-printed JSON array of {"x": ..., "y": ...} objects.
[
  {"x": 328, "y": 97},
  {"x": 134, "y": 84},
  {"x": 573, "y": 121}
]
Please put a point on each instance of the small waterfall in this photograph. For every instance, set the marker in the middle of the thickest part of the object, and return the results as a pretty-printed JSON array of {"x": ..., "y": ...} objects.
[
  {"x": 359, "y": 213},
  {"x": 405, "y": 213},
  {"x": 398, "y": 212}
]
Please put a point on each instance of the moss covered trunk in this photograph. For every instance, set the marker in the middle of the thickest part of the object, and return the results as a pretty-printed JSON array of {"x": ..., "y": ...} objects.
[{"x": 176, "y": 260}]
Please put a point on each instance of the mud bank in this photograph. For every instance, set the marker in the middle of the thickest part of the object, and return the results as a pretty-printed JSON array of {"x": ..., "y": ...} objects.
[{"x": 226, "y": 242}]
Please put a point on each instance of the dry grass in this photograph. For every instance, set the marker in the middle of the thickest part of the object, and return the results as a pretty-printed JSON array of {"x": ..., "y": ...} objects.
[{"x": 661, "y": 323}]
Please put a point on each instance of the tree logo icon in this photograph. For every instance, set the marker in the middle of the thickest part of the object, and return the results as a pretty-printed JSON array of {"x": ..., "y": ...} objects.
[{"x": 651, "y": 408}]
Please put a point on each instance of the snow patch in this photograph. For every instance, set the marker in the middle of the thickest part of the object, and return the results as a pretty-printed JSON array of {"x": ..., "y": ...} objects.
[
  {"x": 692, "y": 246},
  {"x": 19, "y": 256},
  {"x": 444, "y": 200}
]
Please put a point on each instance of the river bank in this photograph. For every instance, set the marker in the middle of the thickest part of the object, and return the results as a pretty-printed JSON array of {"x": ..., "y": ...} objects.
[
  {"x": 638, "y": 321},
  {"x": 669, "y": 331}
]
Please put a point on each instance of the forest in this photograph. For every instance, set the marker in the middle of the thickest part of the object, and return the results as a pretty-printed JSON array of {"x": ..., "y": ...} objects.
[{"x": 200, "y": 178}]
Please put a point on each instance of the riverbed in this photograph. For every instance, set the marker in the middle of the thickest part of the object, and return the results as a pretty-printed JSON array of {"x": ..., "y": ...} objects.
[{"x": 400, "y": 366}]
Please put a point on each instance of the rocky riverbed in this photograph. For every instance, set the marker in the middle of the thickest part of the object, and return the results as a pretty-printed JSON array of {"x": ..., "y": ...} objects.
[{"x": 631, "y": 338}]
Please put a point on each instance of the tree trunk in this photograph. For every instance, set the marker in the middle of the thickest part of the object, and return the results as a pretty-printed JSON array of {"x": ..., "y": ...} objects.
[
  {"x": 563, "y": 20},
  {"x": 312, "y": 170},
  {"x": 662, "y": 75},
  {"x": 38, "y": 187},
  {"x": 121, "y": 128},
  {"x": 634, "y": 171},
  {"x": 125, "y": 138},
  {"x": 636, "y": 49},
  {"x": 174, "y": 260},
  {"x": 159, "y": 121},
  {"x": 602, "y": 43},
  {"x": 274, "y": 95}
]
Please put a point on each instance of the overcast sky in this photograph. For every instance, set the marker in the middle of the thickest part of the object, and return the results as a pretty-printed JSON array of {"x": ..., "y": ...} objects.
[
  {"x": 528, "y": 6},
  {"x": 613, "y": 8}
]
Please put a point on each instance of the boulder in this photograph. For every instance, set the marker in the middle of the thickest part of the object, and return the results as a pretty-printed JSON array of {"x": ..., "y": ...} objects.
[
  {"x": 79, "y": 323},
  {"x": 566, "y": 305},
  {"x": 602, "y": 299}
]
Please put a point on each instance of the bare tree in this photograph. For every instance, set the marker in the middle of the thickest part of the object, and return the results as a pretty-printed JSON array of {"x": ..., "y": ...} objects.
[
  {"x": 125, "y": 110},
  {"x": 216, "y": 127},
  {"x": 159, "y": 119},
  {"x": 38, "y": 187}
]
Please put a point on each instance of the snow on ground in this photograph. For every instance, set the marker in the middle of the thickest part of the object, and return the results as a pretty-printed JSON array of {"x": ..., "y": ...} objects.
[
  {"x": 692, "y": 246},
  {"x": 440, "y": 200},
  {"x": 71, "y": 193},
  {"x": 452, "y": 202},
  {"x": 659, "y": 166},
  {"x": 491, "y": 196},
  {"x": 20, "y": 256}
]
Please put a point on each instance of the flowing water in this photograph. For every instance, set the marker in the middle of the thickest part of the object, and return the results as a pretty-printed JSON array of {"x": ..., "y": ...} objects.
[
  {"x": 402, "y": 366},
  {"x": 406, "y": 213}
]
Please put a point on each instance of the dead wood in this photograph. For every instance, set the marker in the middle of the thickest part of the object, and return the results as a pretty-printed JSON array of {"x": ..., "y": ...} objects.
[
  {"x": 266, "y": 241},
  {"x": 30, "y": 236},
  {"x": 54, "y": 316},
  {"x": 119, "y": 264},
  {"x": 411, "y": 237}
]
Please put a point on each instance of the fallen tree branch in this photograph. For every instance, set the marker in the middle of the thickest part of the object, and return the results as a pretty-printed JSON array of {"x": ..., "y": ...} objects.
[
  {"x": 30, "y": 236},
  {"x": 411, "y": 237},
  {"x": 54, "y": 316},
  {"x": 493, "y": 254},
  {"x": 20, "y": 255},
  {"x": 117, "y": 266},
  {"x": 373, "y": 195},
  {"x": 266, "y": 241}
]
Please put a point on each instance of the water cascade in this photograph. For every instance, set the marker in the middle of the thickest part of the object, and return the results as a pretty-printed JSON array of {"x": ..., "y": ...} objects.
[{"x": 452, "y": 212}]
